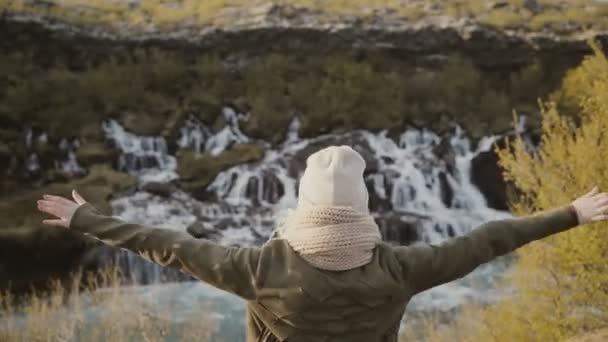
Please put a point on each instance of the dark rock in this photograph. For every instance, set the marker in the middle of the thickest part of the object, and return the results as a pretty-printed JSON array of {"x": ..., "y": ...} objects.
[
  {"x": 387, "y": 160},
  {"x": 376, "y": 202},
  {"x": 498, "y": 4},
  {"x": 486, "y": 174},
  {"x": 444, "y": 152},
  {"x": 447, "y": 193},
  {"x": 451, "y": 232},
  {"x": 252, "y": 190},
  {"x": 533, "y": 6},
  {"x": 201, "y": 230},
  {"x": 395, "y": 229},
  {"x": 272, "y": 188},
  {"x": 224, "y": 223},
  {"x": 160, "y": 189}
]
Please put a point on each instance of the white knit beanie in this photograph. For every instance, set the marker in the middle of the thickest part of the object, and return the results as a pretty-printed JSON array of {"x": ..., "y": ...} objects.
[
  {"x": 331, "y": 227},
  {"x": 334, "y": 177}
]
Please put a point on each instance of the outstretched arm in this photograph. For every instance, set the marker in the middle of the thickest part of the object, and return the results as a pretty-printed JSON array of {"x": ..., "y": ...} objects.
[
  {"x": 426, "y": 266},
  {"x": 229, "y": 268}
]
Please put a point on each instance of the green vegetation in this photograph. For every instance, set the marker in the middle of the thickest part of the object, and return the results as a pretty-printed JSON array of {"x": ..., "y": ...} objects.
[
  {"x": 564, "y": 17},
  {"x": 560, "y": 282},
  {"x": 150, "y": 90}
]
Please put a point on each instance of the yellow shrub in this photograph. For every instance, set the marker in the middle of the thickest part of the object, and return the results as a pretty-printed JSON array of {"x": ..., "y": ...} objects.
[{"x": 560, "y": 283}]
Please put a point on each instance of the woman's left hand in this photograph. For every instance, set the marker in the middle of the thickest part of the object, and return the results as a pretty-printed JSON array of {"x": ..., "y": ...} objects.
[{"x": 60, "y": 207}]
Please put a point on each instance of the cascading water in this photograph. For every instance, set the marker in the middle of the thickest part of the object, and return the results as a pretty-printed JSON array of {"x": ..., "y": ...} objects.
[
  {"x": 415, "y": 194},
  {"x": 70, "y": 164}
]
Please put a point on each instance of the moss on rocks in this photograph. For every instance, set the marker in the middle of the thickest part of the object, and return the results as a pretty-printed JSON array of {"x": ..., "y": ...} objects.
[
  {"x": 197, "y": 170},
  {"x": 101, "y": 183},
  {"x": 92, "y": 153}
]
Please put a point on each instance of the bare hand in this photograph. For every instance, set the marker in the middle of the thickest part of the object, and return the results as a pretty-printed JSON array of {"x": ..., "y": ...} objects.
[
  {"x": 60, "y": 207},
  {"x": 592, "y": 207}
]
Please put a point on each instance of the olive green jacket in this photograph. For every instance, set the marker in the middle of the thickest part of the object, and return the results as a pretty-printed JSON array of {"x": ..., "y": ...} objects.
[{"x": 290, "y": 300}]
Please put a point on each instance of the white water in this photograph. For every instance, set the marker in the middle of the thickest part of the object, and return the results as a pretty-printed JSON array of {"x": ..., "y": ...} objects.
[
  {"x": 251, "y": 197},
  {"x": 194, "y": 134}
]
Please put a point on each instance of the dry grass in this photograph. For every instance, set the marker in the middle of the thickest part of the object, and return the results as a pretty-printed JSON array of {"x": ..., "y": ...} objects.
[
  {"x": 564, "y": 16},
  {"x": 66, "y": 314},
  {"x": 599, "y": 336}
]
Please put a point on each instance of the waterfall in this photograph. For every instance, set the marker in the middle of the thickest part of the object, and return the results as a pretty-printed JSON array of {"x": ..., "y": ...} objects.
[
  {"x": 417, "y": 193},
  {"x": 70, "y": 164},
  {"x": 146, "y": 157},
  {"x": 196, "y": 135}
]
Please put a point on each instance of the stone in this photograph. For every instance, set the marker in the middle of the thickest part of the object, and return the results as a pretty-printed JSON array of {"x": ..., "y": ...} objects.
[
  {"x": 444, "y": 152},
  {"x": 202, "y": 230},
  {"x": 447, "y": 193},
  {"x": 498, "y": 4},
  {"x": 377, "y": 203},
  {"x": 394, "y": 228},
  {"x": 96, "y": 153},
  {"x": 533, "y": 6},
  {"x": 486, "y": 174},
  {"x": 271, "y": 192},
  {"x": 160, "y": 189}
]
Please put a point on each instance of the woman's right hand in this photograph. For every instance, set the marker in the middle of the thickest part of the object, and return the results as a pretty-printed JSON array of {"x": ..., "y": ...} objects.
[
  {"x": 61, "y": 208},
  {"x": 592, "y": 207}
]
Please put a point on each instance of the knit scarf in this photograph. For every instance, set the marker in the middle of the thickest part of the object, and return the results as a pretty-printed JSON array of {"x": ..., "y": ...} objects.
[{"x": 331, "y": 238}]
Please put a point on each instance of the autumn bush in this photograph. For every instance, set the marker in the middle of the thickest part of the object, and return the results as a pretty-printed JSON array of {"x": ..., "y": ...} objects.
[{"x": 558, "y": 287}]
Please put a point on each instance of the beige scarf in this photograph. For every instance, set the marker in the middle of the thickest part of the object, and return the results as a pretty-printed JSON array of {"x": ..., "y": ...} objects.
[{"x": 331, "y": 238}]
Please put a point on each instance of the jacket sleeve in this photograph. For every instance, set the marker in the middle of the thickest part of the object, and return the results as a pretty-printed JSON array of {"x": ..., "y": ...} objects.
[
  {"x": 426, "y": 266},
  {"x": 228, "y": 268}
]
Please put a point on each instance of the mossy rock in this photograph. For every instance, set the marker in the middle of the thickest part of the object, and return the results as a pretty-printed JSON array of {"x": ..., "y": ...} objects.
[
  {"x": 198, "y": 170},
  {"x": 97, "y": 187},
  {"x": 145, "y": 123},
  {"x": 96, "y": 153}
]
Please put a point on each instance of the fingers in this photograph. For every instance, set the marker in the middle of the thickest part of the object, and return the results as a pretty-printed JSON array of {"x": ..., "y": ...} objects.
[
  {"x": 58, "y": 199},
  {"x": 77, "y": 197},
  {"x": 55, "y": 208},
  {"x": 56, "y": 222},
  {"x": 602, "y": 209},
  {"x": 593, "y": 192},
  {"x": 48, "y": 207},
  {"x": 601, "y": 217},
  {"x": 601, "y": 199}
]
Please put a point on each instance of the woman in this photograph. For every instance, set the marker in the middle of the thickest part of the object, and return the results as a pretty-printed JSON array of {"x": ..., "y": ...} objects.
[{"x": 327, "y": 276}]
